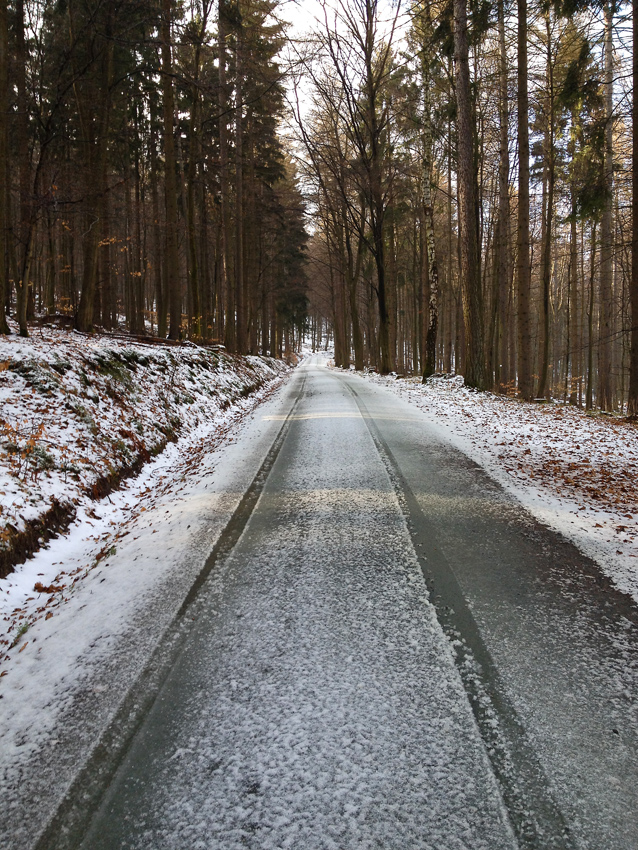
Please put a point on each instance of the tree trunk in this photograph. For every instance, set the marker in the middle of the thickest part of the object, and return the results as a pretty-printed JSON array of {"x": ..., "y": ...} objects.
[
  {"x": 589, "y": 393},
  {"x": 524, "y": 341},
  {"x": 94, "y": 125},
  {"x": 574, "y": 325},
  {"x": 25, "y": 209},
  {"x": 170, "y": 178},
  {"x": 547, "y": 217},
  {"x": 240, "y": 295},
  {"x": 632, "y": 399},
  {"x": 4, "y": 157},
  {"x": 605, "y": 395},
  {"x": 194, "y": 278},
  {"x": 468, "y": 221},
  {"x": 158, "y": 264},
  {"x": 503, "y": 247},
  {"x": 226, "y": 290},
  {"x": 427, "y": 203}
]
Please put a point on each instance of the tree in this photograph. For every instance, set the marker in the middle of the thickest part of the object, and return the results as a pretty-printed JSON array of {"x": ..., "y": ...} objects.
[
  {"x": 170, "y": 176},
  {"x": 632, "y": 401},
  {"x": 362, "y": 62},
  {"x": 605, "y": 330},
  {"x": 468, "y": 222},
  {"x": 4, "y": 154},
  {"x": 525, "y": 382}
]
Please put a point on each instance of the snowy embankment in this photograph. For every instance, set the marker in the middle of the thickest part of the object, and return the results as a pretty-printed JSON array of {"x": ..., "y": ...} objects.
[
  {"x": 577, "y": 472},
  {"x": 78, "y": 415}
]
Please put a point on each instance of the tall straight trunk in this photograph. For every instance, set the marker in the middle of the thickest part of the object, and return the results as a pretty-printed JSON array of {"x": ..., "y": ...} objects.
[
  {"x": 503, "y": 247},
  {"x": 158, "y": 264},
  {"x": 427, "y": 204},
  {"x": 468, "y": 218},
  {"x": 352, "y": 264},
  {"x": 357, "y": 338},
  {"x": 4, "y": 161},
  {"x": 605, "y": 396},
  {"x": 170, "y": 177},
  {"x": 25, "y": 209},
  {"x": 208, "y": 295},
  {"x": 574, "y": 324},
  {"x": 547, "y": 216},
  {"x": 386, "y": 360},
  {"x": 338, "y": 301},
  {"x": 589, "y": 393},
  {"x": 107, "y": 284},
  {"x": 377, "y": 216},
  {"x": 51, "y": 278},
  {"x": 240, "y": 295},
  {"x": 432, "y": 311},
  {"x": 252, "y": 239},
  {"x": 226, "y": 290},
  {"x": 632, "y": 399},
  {"x": 392, "y": 287},
  {"x": 194, "y": 277},
  {"x": 129, "y": 267},
  {"x": 524, "y": 336},
  {"x": 94, "y": 124},
  {"x": 139, "y": 276},
  {"x": 452, "y": 328}
]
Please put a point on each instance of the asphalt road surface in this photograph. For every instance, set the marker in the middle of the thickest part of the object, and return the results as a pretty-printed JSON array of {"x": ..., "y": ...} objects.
[{"x": 387, "y": 652}]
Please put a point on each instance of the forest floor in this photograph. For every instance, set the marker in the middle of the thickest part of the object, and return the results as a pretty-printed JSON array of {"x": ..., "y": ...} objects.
[
  {"x": 576, "y": 471},
  {"x": 79, "y": 415}
]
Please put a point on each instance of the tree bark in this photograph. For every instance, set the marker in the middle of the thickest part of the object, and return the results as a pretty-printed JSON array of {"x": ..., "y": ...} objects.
[
  {"x": 226, "y": 290},
  {"x": 427, "y": 203},
  {"x": 605, "y": 396},
  {"x": 525, "y": 382},
  {"x": 170, "y": 177},
  {"x": 503, "y": 247},
  {"x": 547, "y": 218},
  {"x": 25, "y": 209},
  {"x": 4, "y": 157},
  {"x": 468, "y": 222},
  {"x": 194, "y": 277},
  {"x": 632, "y": 399},
  {"x": 589, "y": 393},
  {"x": 94, "y": 125},
  {"x": 574, "y": 325},
  {"x": 240, "y": 295}
]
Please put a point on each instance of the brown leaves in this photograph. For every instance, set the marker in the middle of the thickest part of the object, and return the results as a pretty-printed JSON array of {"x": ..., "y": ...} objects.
[{"x": 51, "y": 588}]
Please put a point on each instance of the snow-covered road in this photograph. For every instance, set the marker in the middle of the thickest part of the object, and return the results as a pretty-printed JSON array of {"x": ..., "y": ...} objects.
[
  {"x": 316, "y": 703},
  {"x": 318, "y": 699}
]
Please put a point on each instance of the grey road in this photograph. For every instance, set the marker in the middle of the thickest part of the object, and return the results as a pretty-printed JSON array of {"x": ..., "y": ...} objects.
[{"x": 387, "y": 652}]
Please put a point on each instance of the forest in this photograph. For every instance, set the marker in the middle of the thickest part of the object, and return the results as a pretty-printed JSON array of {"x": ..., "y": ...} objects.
[{"x": 431, "y": 187}]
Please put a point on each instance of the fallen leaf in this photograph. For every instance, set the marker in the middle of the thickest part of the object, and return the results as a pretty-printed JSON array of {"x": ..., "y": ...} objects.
[{"x": 51, "y": 588}]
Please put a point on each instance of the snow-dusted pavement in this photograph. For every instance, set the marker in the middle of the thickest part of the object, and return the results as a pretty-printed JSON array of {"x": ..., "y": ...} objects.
[
  {"x": 316, "y": 703},
  {"x": 314, "y": 700}
]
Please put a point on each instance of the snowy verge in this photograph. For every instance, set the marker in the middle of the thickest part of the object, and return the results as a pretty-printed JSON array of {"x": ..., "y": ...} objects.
[
  {"x": 78, "y": 415},
  {"x": 576, "y": 472}
]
